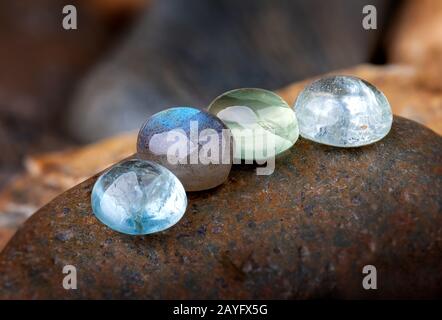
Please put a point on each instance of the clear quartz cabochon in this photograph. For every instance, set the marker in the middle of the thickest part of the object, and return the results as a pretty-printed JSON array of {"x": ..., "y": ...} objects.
[{"x": 343, "y": 111}]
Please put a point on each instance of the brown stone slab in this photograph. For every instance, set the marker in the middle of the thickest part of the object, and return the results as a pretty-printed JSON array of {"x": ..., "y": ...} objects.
[{"x": 305, "y": 231}]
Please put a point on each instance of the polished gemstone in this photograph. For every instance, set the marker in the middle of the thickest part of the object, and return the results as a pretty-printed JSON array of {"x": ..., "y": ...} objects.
[
  {"x": 262, "y": 123},
  {"x": 138, "y": 197},
  {"x": 343, "y": 111},
  {"x": 195, "y": 145}
]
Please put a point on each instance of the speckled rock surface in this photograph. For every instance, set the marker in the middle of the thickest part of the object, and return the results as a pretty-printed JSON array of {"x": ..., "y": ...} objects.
[{"x": 305, "y": 231}]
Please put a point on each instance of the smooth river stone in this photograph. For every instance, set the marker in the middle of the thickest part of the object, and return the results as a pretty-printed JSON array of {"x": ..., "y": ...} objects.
[
  {"x": 304, "y": 232},
  {"x": 138, "y": 197},
  {"x": 262, "y": 123},
  {"x": 343, "y": 111},
  {"x": 193, "y": 144}
]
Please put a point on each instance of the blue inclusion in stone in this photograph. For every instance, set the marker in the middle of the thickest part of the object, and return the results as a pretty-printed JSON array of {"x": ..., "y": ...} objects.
[
  {"x": 177, "y": 118},
  {"x": 138, "y": 197}
]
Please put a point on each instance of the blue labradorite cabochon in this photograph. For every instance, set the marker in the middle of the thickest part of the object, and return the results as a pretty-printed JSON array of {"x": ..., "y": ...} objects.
[
  {"x": 343, "y": 111},
  {"x": 138, "y": 197},
  {"x": 195, "y": 145}
]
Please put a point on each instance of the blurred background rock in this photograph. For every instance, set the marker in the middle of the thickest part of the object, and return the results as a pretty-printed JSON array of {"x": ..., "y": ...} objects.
[
  {"x": 61, "y": 87},
  {"x": 188, "y": 52},
  {"x": 130, "y": 58},
  {"x": 40, "y": 63}
]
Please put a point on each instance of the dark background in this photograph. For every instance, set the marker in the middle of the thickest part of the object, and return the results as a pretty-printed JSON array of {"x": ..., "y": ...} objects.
[{"x": 129, "y": 59}]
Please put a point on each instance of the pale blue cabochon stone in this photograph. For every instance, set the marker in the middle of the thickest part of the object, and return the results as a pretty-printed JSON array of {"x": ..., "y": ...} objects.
[
  {"x": 138, "y": 197},
  {"x": 343, "y": 111}
]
